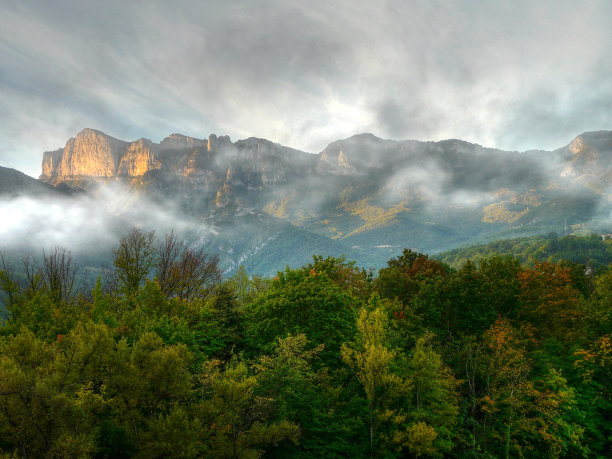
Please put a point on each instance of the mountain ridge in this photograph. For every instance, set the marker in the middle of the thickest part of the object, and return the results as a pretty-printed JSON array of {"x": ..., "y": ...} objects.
[
  {"x": 110, "y": 157},
  {"x": 363, "y": 196}
]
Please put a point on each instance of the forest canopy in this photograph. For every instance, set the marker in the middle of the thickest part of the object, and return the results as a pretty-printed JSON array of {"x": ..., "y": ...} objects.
[{"x": 162, "y": 357}]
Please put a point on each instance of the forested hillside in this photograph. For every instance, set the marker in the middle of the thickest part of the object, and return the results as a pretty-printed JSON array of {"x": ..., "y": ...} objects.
[
  {"x": 491, "y": 359},
  {"x": 594, "y": 251}
]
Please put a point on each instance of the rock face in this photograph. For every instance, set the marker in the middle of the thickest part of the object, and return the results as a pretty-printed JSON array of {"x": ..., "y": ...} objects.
[
  {"x": 138, "y": 159},
  {"x": 181, "y": 142},
  {"x": 587, "y": 160},
  {"x": 50, "y": 163},
  {"x": 203, "y": 174},
  {"x": 91, "y": 153},
  {"x": 373, "y": 194},
  {"x": 94, "y": 155}
]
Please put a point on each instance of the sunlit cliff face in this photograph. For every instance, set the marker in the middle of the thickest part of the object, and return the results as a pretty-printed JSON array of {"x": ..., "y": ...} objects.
[
  {"x": 138, "y": 159},
  {"x": 94, "y": 155}
]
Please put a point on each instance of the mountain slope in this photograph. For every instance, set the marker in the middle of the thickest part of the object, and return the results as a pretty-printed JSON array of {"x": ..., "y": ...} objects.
[
  {"x": 593, "y": 251},
  {"x": 15, "y": 183},
  {"x": 259, "y": 203}
]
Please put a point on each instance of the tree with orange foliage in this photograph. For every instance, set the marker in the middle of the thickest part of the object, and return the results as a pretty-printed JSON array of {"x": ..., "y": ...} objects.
[
  {"x": 403, "y": 276},
  {"x": 523, "y": 411},
  {"x": 549, "y": 301}
]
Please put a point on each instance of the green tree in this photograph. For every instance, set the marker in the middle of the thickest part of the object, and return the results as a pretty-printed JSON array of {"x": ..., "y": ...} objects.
[
  {"x": 246, "y": 288},
  {"x": 50, "y": 394},
  {"x": 287, "y": 376},
  {"x": 598, "y": 308},
  {"x": 358, "y": 282},
  {"x": 372, "y": 363},
  {"x": 236, "y": 418},
  {"x": 299, "y": 301},
  {"x": 403, "y": 275},
  {"x": 500, "y": 281},
  {"x": 134, "y": 259},
  {"x": 507, "y": 386},
  {"x": 525, "y": 412},
  {"x": 435, "y": 400}
]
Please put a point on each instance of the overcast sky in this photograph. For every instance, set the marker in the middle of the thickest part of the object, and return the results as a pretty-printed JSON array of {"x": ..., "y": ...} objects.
[{"x": 510, "y": 74}]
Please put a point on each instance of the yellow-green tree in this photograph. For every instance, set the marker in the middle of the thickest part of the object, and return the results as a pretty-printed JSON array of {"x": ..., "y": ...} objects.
[
  {"x": 435, "y": 400},
  {"x": 134, "y": 259},
  {"x": 235, "y": 417},
  {"x": 50, "y": 393},
  {"x": 372, "y": 364}
]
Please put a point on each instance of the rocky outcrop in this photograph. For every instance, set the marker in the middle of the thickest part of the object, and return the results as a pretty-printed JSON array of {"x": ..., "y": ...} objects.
[
  {"x": 92, "y": 154},
  {"x": 588, "y": 160},
  {"x": 215, "y": 169},
  {"x": 50, "y": 163},
  {"x": 139, "y": 159},
  {"x": 181, "y": 142}
]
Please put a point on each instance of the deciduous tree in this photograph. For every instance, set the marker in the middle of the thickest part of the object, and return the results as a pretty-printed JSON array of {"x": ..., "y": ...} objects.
[{"x": 134, "y": 259}]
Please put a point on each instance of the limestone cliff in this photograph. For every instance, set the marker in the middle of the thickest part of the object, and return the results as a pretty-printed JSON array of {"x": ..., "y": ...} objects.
[
  {"x": 139, "y": 159},
  {"x": 50, "y": 163},
  {"x": 91, "y": 154},
  {"x": 94, "y": 155},
  {"x": 203, "y": 173},
  {"x": 588, "y": 161},
  {"x": 181, "y": 142}
]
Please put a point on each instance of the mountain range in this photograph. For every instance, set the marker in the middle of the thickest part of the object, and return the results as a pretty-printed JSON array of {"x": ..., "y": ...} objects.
[{"x": 264, "y": 205}]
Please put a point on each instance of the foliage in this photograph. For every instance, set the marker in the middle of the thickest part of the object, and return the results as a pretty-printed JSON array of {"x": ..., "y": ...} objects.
[
  {"x": 491, "y": 359},
  {"x": 591, "y": 251},
  {"x": 302, "y": 301},
  {"x": 134, "y": 259},
  {"x": 371, "y": 362}
]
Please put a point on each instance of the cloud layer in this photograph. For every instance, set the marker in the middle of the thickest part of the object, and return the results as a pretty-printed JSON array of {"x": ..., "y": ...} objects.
[
  {"x": 509, "y": 74},
  {"x": 88, "y": 223}
]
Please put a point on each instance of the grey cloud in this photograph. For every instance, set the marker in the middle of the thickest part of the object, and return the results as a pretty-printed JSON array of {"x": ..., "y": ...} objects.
[
  {"x": 543, "y": 117},
  {"x": 92, "y": 221},
  {"x": 510, "y": 74}
]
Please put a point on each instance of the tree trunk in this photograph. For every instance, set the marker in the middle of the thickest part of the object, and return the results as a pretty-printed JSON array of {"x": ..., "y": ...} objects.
[
  {"x": 371, "y": 408},
  {"x": 507, "y": 446}
]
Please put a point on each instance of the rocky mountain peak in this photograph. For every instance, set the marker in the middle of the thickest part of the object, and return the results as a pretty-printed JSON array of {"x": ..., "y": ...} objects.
[
  {"x": 50, "y": 163},
  {"x": 597, "y": 140},
  {"x": 180, "y": 142},
  {"x": 353, "y": 154},
  {"x": 588, "y": 156},
  {"x": 577, "y": 145},
  {"x": 91, "y": 153}
]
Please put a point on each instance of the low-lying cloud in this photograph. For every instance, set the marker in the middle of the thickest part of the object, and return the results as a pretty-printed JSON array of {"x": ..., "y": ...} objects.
[{"x": 87, "y": 223}]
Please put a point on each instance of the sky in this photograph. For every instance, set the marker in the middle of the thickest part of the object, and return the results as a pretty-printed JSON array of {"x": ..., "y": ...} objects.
[{"x": 516, "y": 75}]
